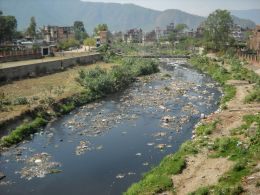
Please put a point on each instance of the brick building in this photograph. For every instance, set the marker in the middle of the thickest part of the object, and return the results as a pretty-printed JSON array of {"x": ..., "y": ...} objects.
[
  {"x": 254, "y": 42},
  {"x": 57, "y": 34}
]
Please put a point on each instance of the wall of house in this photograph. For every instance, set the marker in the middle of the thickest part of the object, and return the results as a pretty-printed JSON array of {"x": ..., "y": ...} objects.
[{"x": 39, "y": 69}]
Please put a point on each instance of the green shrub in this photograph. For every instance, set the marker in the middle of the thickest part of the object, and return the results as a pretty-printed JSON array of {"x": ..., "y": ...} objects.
[
  {"x": 201, "y": 191},
  {"x": 23, "y": 131},
  {"x": 206, "y": 129},
  {"x": 21, "y": 101},
  {"x": 101, "y": 82}
]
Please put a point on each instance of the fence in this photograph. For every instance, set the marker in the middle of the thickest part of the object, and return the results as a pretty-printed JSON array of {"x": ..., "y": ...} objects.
[
  {"x": 9, "y": 56},
  {"x": 251, "y": 57}
]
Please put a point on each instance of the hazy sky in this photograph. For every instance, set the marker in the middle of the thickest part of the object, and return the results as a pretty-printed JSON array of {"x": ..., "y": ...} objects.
[{"x": 200, "y": 7}]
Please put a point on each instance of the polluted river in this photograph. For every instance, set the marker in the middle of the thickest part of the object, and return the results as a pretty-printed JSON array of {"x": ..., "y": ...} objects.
[{"x": 104, "y": 147}]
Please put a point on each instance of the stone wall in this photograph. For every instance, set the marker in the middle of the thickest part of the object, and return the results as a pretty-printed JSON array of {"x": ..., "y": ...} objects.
[{"x": 39, "y": 69}]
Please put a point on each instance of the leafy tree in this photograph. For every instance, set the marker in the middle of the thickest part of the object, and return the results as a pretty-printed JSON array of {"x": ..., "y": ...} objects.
[
  {"x": 31, "y": 30},
  {"x": 66, "y": 44},
  {"x": 100, "y": 27},
  {"x": 172, "y": 37},
  {"x": 80, "y": 31},
  {"x": 8, "y": 26},
  {"x": 181, "y": 27},
  {"x": 90, "y": 41},
  {"x": 217, "y": 29}
]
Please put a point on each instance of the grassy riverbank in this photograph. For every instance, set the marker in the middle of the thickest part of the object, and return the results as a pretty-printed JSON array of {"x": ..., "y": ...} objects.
[
  {"x": 239, "y": 147},
  {"x": 94, "y": 84}
]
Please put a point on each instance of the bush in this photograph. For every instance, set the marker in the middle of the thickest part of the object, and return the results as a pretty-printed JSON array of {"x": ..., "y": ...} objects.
[
  {"x": 101, "y": 82},
  {"x": 254, "y": 96},
  {"x": 21, "y": 101},
  {"x": 23, "y": 131}
]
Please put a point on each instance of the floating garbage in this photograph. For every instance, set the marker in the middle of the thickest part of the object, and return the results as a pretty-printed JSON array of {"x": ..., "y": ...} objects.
[
  {"x": 161, "y": 146},
  {"x": 120, "y": 176},
  {"x": 39, "y": 165},
  {"x": 82, "y": 147}
]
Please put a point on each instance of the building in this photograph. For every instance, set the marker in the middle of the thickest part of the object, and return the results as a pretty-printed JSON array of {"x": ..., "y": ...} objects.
[
  {"x": 169, "y": 29},
  {"x": 254, "y": 42},
  {"x": 236, "y": 33},
  {"x": 134, "y": 36},
  {"x": 150, "y": 37},
  {"x": 199, "y": 32},
  {"x": 103, "y": 37},
  {"x": 159, "y": 33},
  {"x": 56, "y": 34}
]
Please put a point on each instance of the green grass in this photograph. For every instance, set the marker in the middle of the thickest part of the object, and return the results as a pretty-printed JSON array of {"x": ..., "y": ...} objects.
[
  {"x": 67, "y": 108},
  {"x": 229, "y": 93},
  {"x": 241, "y": 73},
  {"x": 244, "y": 154},
  {"x": 159, "y": 178},
  {"x": 254, "y": 96},
  {"x": 23, "y": 131},
  {"x": 218, "y": 73},
  {"x": 206, "y": 129},
  {"x": 207, "y": 65}
]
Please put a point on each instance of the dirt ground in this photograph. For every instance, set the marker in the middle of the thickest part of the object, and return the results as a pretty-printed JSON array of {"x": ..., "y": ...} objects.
[
  {"x": 202, "y": 171},
  {"x": 57, "y": 86}
]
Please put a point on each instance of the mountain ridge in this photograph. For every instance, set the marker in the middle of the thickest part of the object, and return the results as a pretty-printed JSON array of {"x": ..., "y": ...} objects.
[{"x": 119, "y": 17}]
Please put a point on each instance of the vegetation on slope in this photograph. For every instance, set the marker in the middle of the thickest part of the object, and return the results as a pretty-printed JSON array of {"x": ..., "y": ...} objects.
[{"x": 97, "y": 83}]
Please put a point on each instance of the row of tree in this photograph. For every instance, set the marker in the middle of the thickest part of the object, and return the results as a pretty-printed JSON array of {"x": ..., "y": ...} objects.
[{"x": 216, "y": 32}]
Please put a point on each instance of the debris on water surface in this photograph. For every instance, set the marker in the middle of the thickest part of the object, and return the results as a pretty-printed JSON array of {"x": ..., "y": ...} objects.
[
  {"x": 161, "y": 146},
  {"x": 138, "y": 154},
  {"x": 39, "y": 165},
  {"x": 82, "y": 147},
  {"x": 120, "y": 176},
  {"x": 160, "y": 134},
  {"x": 145, "y": 164},
  {"x": 99, "y": 147}
]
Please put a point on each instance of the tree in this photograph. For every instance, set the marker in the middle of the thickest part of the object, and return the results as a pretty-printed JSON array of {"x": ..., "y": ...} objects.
[
  {"x": 8, "y": 26},
  {"x": 181, "y": 27},
  {"x": 217, "y": 29},
  {"x": 90, "y": 42},
  {"x": 80, "y": 31},
  {"x": 68, "y": 43},
  {"x": 100, "y": 27},
  {"x": 31, "y": 30}
]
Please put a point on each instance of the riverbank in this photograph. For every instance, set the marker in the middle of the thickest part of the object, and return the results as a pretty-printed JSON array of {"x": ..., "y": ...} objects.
[
  {"x": 223, "y": 157},
  {"x": 92, "y": 84},
  {"x": 150, "y": 119}
]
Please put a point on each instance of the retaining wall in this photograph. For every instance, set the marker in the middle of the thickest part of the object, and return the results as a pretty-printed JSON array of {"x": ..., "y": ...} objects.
[{"x": 39, "y": 69}]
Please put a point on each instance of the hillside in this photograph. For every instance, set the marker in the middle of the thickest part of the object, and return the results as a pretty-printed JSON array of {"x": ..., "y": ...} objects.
[
  {"x": 253, "y": 14},
  {"x": 117, "y": 16}
]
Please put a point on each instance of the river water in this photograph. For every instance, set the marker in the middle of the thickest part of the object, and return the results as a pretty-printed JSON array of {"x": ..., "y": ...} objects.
[{"x": 104, "y": 147}]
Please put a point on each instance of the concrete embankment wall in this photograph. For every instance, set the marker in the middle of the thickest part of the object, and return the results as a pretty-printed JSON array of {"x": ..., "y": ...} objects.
[{"x": 38, "y": 69}]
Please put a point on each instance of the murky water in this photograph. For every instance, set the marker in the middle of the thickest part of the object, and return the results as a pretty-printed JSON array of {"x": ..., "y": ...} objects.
[{"x": 102, "y": 148}]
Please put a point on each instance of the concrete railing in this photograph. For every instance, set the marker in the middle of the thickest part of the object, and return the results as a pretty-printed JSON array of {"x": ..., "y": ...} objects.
[{"x": 42, "y": 68}]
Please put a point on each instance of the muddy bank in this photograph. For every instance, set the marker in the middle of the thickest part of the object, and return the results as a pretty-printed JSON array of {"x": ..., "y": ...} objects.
[{"x": 103, "y": 147}]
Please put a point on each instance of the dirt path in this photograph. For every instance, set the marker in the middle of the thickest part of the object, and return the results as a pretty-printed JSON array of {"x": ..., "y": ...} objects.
[{"x": 202, "y": 171}]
